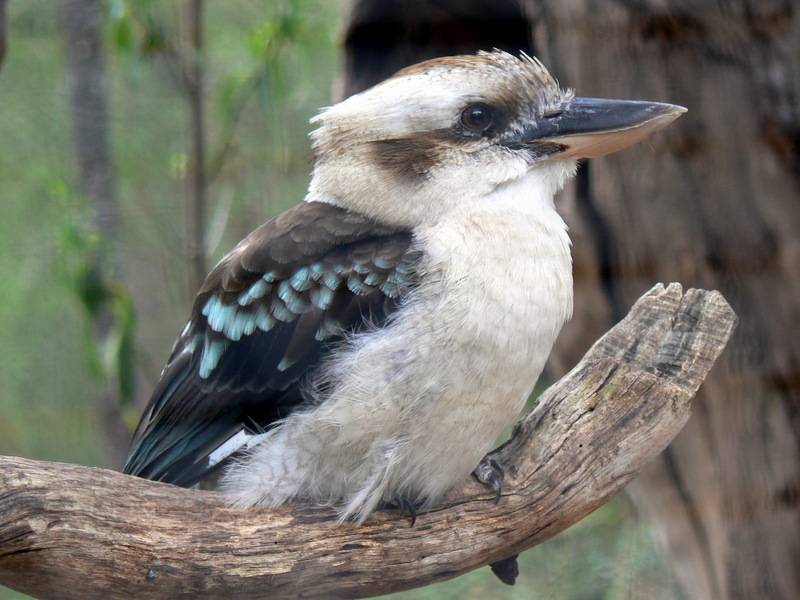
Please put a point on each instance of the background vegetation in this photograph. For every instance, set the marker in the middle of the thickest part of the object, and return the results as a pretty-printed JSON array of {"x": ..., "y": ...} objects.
[{"x": 269, "y": 66}]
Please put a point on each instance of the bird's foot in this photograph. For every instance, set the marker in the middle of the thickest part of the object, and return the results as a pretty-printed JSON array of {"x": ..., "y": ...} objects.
[
  {"x": 404, "y": 505},
  {"x": 490, "y": 473}
]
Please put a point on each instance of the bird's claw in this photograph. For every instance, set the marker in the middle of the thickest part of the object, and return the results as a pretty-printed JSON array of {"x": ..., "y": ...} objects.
[
  {"x": 404, "y": 504},
  {"x": 489, "y": 472}
]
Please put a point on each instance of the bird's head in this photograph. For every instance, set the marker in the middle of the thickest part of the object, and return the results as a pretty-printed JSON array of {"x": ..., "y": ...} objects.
[{"x": 449, "y": 132}]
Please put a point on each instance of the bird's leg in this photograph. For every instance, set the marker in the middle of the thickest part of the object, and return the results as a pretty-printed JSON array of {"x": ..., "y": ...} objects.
[{"x": 490, "y": 473}]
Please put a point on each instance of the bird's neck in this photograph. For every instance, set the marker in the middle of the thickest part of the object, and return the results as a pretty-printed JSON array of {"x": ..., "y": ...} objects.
[{"x": 509, "y": 253}]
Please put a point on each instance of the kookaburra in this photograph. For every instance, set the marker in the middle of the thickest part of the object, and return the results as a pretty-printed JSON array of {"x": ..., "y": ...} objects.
[{"x": 368, "y": 345}]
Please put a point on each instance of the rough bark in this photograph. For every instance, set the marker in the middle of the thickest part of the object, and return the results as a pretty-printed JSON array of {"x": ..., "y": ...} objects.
[
  {"x": 71, "y": 532},
  {"x": 713, "y": 202}
]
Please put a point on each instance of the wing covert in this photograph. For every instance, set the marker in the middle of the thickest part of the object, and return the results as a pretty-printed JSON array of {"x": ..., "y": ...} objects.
[{"x": 265, "y": 317}]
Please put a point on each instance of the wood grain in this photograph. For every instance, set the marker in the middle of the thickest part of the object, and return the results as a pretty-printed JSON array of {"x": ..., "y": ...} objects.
[{"x": 73, "y": 532}]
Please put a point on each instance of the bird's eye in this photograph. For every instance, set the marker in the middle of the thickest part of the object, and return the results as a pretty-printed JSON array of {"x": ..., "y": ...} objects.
[{"x": 477, "y": 118}]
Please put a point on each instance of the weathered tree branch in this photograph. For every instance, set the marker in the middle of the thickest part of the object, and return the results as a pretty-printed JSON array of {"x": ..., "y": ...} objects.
[{"x": 72, "y": 532}]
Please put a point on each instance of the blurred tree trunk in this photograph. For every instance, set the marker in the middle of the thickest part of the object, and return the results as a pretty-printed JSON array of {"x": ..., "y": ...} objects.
[
  {"x": 88, "y": 97},
  {"x": 193, "y": 63},
  {"x": 83, "y": 22},
  {"x": 3, "y": 31},
  {"x": 714, "y": 202},
  {"x": 383, "y": 36}
]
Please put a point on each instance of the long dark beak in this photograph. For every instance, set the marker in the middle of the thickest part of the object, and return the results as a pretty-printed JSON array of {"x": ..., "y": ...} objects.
[{"x": 589, "y": 127}]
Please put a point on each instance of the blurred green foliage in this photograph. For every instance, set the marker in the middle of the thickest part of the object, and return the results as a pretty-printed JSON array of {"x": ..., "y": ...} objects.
[
  {"x": 82, "y": 267},
  {"x": 270, "y": 65}
]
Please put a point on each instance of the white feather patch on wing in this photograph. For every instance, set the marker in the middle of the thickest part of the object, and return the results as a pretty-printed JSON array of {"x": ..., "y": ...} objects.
[{"x": 240, "y": 441}]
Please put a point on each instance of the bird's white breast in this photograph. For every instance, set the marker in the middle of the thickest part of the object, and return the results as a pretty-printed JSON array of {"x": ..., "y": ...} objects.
[{"x": 411, "y": 408}]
